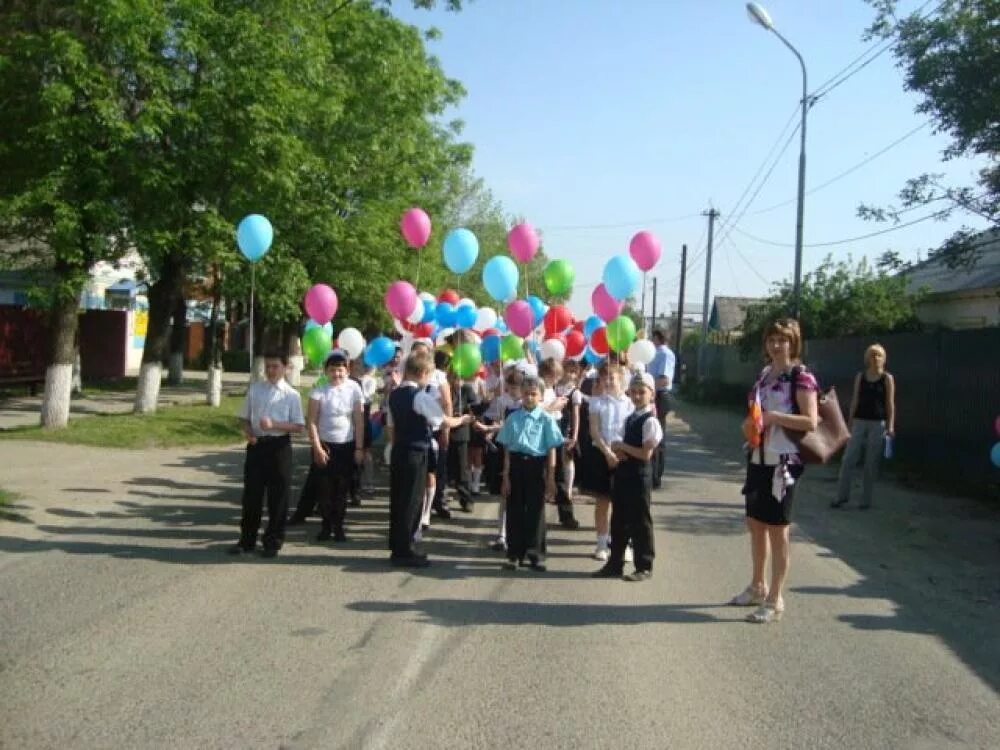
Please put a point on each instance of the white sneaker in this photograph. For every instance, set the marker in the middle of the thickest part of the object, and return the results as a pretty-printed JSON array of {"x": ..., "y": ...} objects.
[
  {"x": 418, "y": 535},
  {"x": 629, "y": 557},
  {"x": 602, "y": 553}
]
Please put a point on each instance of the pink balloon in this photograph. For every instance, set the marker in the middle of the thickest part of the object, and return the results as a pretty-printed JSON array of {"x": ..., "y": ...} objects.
[
  {"x": 645, "y": 250},
  {"x": 523, "y": 242},
  {"x": 520, "y": 317},
  {"x": 321, "y": 303},
  {"x": 606, "y": 307},
  {"x": 400, "y": 299},
  {"x": 416, "y": 227}
]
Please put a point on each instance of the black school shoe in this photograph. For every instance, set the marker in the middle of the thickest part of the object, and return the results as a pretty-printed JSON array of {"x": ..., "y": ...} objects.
[
  {"x": 639, "y": 576},
  {"x": 239, "y": 549},
  {"x": 410, "y": 561},
  {"x": 608, "y": 571},
  {"x": 537, "y": 565},
  {"x": 324, "y": 535},
  {"x": 269, "y": 553}
]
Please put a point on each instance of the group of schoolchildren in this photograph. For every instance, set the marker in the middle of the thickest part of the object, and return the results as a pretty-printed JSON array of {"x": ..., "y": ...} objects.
[{"x": 527, "y": 432}]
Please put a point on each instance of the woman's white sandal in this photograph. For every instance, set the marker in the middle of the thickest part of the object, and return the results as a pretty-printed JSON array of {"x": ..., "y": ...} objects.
[
  {"x": 767, "y": 612},
  {"x": 749, "y": 597}
]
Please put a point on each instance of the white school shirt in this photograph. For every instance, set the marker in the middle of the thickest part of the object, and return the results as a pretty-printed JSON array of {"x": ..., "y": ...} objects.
[
  {"x": 368, "y": 388},
  {"x": 336, "y": 410},
  {"x": 280, "y": 402},
  {"x": 499, "y": 405},
  {"x": 572, "y": 391},
  {"x": 424, "y": 404},
  {"x": 651, "y": 430},
  {"x": 611, "y": 414}
]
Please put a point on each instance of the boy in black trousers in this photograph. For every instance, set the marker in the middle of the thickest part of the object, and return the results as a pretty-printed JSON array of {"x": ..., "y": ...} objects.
[
  {"x": 413, "y": 415},
  {"x": 631, "y": 517}
]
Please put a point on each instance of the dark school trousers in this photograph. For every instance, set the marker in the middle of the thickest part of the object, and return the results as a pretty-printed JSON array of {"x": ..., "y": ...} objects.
[
  {"x": 333, "y": 484},
  {"x": 526, "y": 508},
  {"x": 309, "y": 497},
  {"x": 563, "y": 502},
  {"x": 664, "y": 406},
  {"x": 441, "y": 475},
  {"x": 407, "y": 485},
  {"x": 631, "y": 517},
  {"x": 458, "y": 470},
  {"x": 267, "y": 468}
]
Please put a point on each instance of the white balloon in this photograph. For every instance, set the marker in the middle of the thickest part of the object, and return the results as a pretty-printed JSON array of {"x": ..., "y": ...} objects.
[
  {"x": 465, "y": 301},
  {"x": 405, "y": 344},
  {"x": 641, "y": 351},
  {"x": 553, "y": 349},
  {"x": 399, "y": 327},
  {"x": 418, "y": 313},
  {"x": 351, "y": 341},
  {"x": 428, "y": 296},
  {"x": 486, "y": 317}
]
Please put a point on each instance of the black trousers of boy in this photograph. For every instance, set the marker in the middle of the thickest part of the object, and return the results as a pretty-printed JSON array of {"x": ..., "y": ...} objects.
[
  {"x": 631, "y": 517},
  {"x": 407, "y": 486},
  {"x": 563, "y": 504},
  {"x": 268, "y": 468},
  {"x": 526, "y": 508},
  {"x": 664, "y": 406},
  {"x": 309, "y": 495},
  {"x": 333, "y": 484},
  {"x": 440, "y": 501},
  {"x": 458, "y": 469}
]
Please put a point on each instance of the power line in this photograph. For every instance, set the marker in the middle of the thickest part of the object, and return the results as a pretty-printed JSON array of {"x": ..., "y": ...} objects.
[
  {"x": 935, "y": 215},
  {"x": 622, "y": 225},
  {"x": 848, "y": 171},
  {"x": 746, "y": 260}
]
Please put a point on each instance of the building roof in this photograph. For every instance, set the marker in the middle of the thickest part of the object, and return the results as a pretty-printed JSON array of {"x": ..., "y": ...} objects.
[
  {"x": 935, "y": 275},
  {"x": 729, "y": 313}
]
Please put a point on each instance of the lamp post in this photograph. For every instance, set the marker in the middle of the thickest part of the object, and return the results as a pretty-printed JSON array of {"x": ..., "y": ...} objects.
[{"x": 760, "y": 16}]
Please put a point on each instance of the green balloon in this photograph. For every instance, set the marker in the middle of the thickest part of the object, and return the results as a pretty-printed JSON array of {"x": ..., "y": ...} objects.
[
  {"x": 621, "y": 333},
  {"x": 466, "y": 359},
  {"x": 558, "y": 276},
  {"x": 316, "y": 344},
  {"x": 511, "y": 347}
]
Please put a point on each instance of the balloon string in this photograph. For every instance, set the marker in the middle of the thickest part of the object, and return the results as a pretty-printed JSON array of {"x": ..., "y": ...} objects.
[
  {"x": 419, "y": 256},
  {"x": 253, "y": 278}
]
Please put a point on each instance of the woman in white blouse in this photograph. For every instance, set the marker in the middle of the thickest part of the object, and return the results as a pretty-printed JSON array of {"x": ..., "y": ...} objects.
[
  {"x": 608, "y": 413},
  {"x": 336, "y": 431}
]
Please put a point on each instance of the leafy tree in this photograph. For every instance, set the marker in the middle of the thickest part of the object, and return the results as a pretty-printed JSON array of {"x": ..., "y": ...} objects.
[
  {"x": 950, "y": 56},
  {"x": 66, "y": 136},
  {"x": 838, "y": 299}
]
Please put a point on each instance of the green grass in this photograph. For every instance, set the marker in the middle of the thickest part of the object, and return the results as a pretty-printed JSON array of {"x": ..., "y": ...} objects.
[
  {"x": 169, "y": 427},
  {"x": 6, "y": 497}
]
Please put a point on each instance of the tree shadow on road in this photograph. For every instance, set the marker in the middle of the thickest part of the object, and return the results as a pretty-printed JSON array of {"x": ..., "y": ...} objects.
[{"x": 934, "y": 557}]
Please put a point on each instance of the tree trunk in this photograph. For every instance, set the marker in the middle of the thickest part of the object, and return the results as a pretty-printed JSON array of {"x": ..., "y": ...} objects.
[
  {"x": 59, "y": 374},
  {"x": 212, "y": 358},
  {"x": 178, "y": 341},
  {"x": 213, "y": 393},
  {"x": 162, "y": 300}
]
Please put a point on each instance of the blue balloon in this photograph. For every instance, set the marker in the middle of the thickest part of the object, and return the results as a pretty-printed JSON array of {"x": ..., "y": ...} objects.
[
  {"x": 621, "y": 276},
  {"x": 536, "y": 350},
  {"x": 592, "y": 324},
  {"x": 592, "y": 357},
  {"x": 379, "y": 351},
  {"x": 254, "y": 236},
  {"x": 500, "y": 277},
  {"x": 376, "y": 428},
  {"x": 430, "y": 310},
  {"x": 995, "y": 455},
  {"x": 538, "y": 308},
  {"x": 461, "y": 248},
  {"x": 328, "y": 327},
  {"x": 445, "y": 314},
  {"x": 490, "y": 348},
  {"x": 465, "y": 316},
  {"x": 501, "y": 325}
]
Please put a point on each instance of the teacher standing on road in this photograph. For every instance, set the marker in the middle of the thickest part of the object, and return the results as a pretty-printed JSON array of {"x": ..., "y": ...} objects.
[{"x": 786, "y": 397}]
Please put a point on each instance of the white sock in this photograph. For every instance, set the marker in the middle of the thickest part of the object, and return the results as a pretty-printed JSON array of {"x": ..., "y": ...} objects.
[
  {"x": 502, "y": 525},
  {"x": 569, "y": 472},
  {"x": 604, "y": 540},
  {"x": 425, "y": 517},
  {"x": 477, "y": 474}
]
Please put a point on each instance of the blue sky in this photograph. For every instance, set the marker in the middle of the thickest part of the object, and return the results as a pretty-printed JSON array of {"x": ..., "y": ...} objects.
[{"x": 595, "y": 119}]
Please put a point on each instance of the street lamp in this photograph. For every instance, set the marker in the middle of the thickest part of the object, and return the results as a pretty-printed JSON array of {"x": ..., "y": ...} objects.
[{"x": 760, "y": 16}]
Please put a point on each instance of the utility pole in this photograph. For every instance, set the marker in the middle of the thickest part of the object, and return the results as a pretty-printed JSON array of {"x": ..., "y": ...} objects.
[
  {"x": 712, "y": 215},
  {"x": 680, "y": 317},
  {"x": 652, "y": 320}
]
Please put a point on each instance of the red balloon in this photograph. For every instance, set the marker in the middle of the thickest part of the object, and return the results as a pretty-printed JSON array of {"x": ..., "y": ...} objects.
[
  {"x": 575, "y": 343},
  {"x": 423, "y": 330},
  {"x": 449, "y": 295},
  {"x": 578, "y": 325},
  {"x": 490, "y": 332},
  {"x": 599, "y": 341},
  {"x": 557, "y": 319}
]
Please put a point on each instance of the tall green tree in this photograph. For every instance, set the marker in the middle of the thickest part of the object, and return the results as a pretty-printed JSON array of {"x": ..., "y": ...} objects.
[
  {"x": 64, "y": 73},
  {"x": 950, "y": 56}
]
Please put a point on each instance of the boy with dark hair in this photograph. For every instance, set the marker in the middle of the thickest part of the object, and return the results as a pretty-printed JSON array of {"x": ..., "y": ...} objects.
[
  {"x": 631, "y": 517},
  {"x": 531, "y": 436},
  {"x": 413, "y": 415},
  {"x": 271, "y": 412}
]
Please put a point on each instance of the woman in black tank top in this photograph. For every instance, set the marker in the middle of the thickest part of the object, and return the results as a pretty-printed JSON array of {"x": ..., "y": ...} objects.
[{"x": 872, "y": 423}]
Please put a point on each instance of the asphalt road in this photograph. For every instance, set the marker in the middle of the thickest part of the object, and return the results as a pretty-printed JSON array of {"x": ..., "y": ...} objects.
[{"x": 124, "y": 625}]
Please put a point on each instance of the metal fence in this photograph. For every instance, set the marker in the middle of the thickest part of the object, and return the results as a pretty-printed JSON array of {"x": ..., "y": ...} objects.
[{"x": 947, "y": 383}]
